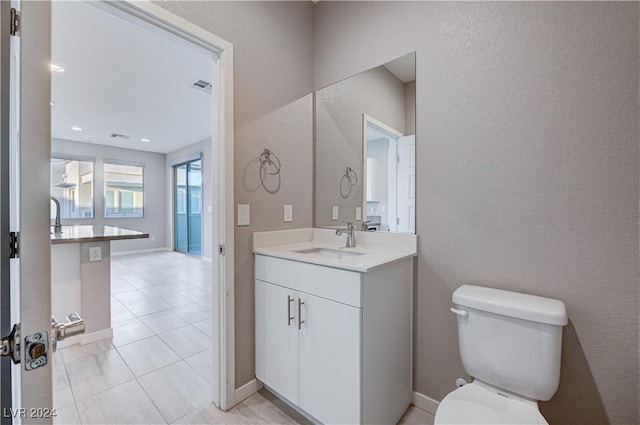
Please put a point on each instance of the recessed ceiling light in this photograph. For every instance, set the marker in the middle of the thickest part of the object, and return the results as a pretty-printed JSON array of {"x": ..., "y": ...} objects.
[
  {"x": 56, "y": 68},
  {"x": 76, "y": 128},
  {"x": 145, "y": 140}
]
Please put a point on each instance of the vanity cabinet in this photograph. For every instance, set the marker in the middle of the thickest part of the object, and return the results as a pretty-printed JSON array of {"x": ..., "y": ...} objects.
[{"x": 335, "y": 343}]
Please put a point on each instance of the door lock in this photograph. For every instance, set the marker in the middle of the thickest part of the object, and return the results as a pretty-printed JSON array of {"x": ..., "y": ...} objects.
[
  {"x": 74, "y": 326},
  {"x": 10, "y": 344}
]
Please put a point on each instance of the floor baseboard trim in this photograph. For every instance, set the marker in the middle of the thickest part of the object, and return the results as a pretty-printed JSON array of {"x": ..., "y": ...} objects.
[
  {"x": 247, "y": 390},
  {"x": 207, "y": 259},
  {"x": 425, "y": 403},
  {"x": 86, "y": 338},
  {"x": 139, "y": 251}
]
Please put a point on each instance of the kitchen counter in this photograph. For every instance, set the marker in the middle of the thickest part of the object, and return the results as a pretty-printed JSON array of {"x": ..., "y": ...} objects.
[{"x": 94, "y": 233}]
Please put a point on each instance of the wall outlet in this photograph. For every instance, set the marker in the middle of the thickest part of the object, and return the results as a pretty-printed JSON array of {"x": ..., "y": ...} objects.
[
  {"x": 358, "y": 213},
  {"x": 334, "y": 213},
  {"x": 95, "y": 253},
  {"x": 288, "y": 213},
  {"x": 243, "y": 215}
]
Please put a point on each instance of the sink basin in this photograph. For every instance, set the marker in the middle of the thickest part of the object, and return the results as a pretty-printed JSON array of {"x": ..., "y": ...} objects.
[{"x": 329, "y": 253}]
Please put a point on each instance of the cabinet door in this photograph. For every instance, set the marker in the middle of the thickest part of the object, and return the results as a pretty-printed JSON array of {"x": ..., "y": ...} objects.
[
  {"x": 277, "y": 339},
  {"x": 329, "y": 360}
]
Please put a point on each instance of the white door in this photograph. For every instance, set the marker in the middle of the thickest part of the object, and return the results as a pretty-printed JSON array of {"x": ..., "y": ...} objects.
[
  {"x": 329, "y": 360},
  {"x": 406, "y": 184},
  {"x": 277, "y": 339},
  {"x": 25, "y": 172}
]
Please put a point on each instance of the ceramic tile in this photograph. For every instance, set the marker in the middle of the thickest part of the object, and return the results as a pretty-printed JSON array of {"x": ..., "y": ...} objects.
[
  {"x": 415, "y": 416},
  {"x": 67, "y": 415},
  {"x": 119, "y": 312},
  {"x": 62, "y": 395},
  {"x": 147, "y": 355},
  {"x": 94, "y": 374},
  {"x": 129, "y": 296},
  {"x": 192, "y": 313},
  {"x": 125, "y": 404},
  {"x": 129, "y": 331},
  {"x": 176, "y": 390},
  {"x": 186, "y": 341},
  {"x": 147, "y": 306},
  {"x": 76, "y": 352},
  {"x": 202, "y": 363},
  {"x": 163, "y": 321},
  {"x": 205, "y": 326}
]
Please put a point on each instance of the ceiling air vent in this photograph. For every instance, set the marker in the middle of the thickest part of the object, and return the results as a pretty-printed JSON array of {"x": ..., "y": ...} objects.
[
  {"x": 119, "y": 136},
  {"x": 201, "y": 85}
]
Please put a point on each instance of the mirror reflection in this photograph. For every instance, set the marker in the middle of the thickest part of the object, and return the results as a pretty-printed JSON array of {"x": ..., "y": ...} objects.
[{"x": 365, "y": 149}]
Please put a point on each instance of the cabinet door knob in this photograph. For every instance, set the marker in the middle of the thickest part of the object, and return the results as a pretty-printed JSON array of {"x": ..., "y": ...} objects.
[
  {"x": 289, "y": 316},
  {"x": 300, "y": 321}
]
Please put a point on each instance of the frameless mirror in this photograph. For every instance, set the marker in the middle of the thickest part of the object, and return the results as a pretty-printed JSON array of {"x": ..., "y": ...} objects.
[{"x": 365, "y": 149}]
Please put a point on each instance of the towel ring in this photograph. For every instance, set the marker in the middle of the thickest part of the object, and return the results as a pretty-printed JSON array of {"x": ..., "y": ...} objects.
[
  {"x": 349, "y": 176},
  {"x": 351, "y": 172},
  {"x": 266, "y": 158}
]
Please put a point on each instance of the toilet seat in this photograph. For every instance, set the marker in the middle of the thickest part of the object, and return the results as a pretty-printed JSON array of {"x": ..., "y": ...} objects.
[{"x": 475, "y": 403}]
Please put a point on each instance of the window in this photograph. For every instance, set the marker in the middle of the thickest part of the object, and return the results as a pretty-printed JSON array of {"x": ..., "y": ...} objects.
[
  {"x": 124, "y": 189},
  {"x": 72, "y": 185}
]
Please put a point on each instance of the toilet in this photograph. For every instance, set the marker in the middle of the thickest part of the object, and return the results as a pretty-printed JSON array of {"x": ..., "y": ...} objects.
[{"x": 510, "y": 343}]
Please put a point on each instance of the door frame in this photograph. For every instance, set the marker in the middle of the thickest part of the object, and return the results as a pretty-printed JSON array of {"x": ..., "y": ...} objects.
[{"x": 222, "y": 176}]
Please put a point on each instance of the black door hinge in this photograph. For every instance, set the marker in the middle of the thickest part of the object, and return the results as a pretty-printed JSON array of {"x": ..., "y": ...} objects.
[
  {"x": 15, "y": 22},
  {"x": 222, "y": 250},
  {"x": 14, "y": 244}
]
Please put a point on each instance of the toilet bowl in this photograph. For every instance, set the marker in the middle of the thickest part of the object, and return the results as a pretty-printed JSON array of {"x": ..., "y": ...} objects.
[
  {"x": 478, "y": 403},
  {"x": 510, "y": 343}
]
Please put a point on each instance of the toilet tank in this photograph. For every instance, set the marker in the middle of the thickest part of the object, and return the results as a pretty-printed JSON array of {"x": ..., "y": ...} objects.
[{"x": 511, "y": 340}]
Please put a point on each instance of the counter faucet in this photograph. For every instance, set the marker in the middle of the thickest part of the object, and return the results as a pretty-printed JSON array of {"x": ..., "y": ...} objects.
[
  {"x": 351, "y": 236},
  {"x": 57, "y": 228}
]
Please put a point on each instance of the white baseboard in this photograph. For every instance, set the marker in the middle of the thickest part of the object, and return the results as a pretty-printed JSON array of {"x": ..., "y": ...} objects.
[
  {"x": 247, "y": 390},
  {"x": 207, "y": 259},
  {"x": 139, "y": 251},
  {"x": 86, "y": 338},
  {"x": 425, "y": 403}
]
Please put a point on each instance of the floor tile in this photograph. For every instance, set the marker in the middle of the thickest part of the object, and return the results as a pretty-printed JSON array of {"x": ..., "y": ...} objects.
[
  {"x": 129, "y": 331},
  {"x": 176, "y": 390},
  {"x": 163, "y": 321},
  {"x": 62, "y": 395},
  {"x": 415, "y": 416},
  {"x": 186, "y": 341},
  {"x": 66, "y": 415},
  {"x": 129, "y": 296},
  {"x": 94, "y": 374},
  {"x": 119, "y": 312},
  {"x": 192, "y": 313},
  {"x": 205, "y": 326},
  {"x": 125, "y": 404},
  {"x": 76, "y": 352},
  {"x": 147, "y": 306},
  {"x": 147, "y": 355},
  {"x": 210, "y": 414},
  {"x": 202, "y": 363}
]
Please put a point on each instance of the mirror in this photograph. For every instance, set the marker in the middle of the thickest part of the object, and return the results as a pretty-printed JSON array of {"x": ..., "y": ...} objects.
[{"x": 365, "y": 149}]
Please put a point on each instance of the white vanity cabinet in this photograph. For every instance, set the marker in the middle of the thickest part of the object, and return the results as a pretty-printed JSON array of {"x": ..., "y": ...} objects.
[{"x": 335, "y": 343}]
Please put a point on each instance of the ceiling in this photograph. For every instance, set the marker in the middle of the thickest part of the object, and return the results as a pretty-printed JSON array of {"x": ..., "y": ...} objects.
[
  {"x": 404, "y": 68},
  {"x": 126, "y": 79}
]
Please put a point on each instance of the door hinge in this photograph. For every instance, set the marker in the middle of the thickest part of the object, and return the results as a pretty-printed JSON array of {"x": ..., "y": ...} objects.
[
  {"x": 398, "y": 159},
  {"x": 222, "y": 250},
  {"x": 10, "y": 344},
  {"x": 14, "y": 27},
  {"x": 14, "y": 244},
  {"x": 397, "y": 220}
]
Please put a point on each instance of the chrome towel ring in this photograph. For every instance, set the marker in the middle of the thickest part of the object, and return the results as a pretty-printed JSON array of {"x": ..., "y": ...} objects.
[{"x": 267, "y": 163}]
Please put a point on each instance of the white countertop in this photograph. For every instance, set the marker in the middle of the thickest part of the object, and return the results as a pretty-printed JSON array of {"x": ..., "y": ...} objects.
[
  {"x": 93, "y": 233},
  {"x": 377, "y": 248}
]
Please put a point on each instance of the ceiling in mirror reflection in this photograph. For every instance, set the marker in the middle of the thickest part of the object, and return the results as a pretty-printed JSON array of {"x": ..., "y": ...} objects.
[{"x": 366, "y": 119}]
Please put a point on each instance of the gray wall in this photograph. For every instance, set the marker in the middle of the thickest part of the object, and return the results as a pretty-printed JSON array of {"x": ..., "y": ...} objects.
[
  {"x": 527, "y": 173},
  {"x": 181, "y": 155},
  {"x": 155, "y": 210},
  {"x": 410, "y": 108},
  {"x": 339, "y": 108},
  {"x": 273, "y": 85}
]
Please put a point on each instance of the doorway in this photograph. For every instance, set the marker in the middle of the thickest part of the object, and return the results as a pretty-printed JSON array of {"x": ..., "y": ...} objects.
[{"x": 187, "y": 194}]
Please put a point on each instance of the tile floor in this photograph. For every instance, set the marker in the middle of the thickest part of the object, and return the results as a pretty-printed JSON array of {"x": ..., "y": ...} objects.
[{"x": 157, "y": 367}]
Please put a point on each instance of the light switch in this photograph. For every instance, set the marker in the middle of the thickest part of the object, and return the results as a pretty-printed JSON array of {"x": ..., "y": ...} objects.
[
  {"x": 95, "y": 253},
  {"x": 358, "y": 213},
  {"x": 334, "y": 214},
  {"x": 288, "y": 213},
  {"x": 243, "y": 215}
]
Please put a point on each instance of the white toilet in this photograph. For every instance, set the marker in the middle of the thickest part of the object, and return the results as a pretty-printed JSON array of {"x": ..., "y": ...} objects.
[{"x": 510, "y": 343}]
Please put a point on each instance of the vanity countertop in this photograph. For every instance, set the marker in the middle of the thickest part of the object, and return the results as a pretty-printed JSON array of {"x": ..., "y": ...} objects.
[
  {"x": 372, "y": 250},
  {"x": 93, "y": 233}
]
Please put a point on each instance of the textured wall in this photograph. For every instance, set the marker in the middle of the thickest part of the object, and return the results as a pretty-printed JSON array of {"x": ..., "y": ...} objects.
[
  {"x": 273, "y": 84},
  {"x": 339, "y": 108},
  {"x": 527, "y": 173}
]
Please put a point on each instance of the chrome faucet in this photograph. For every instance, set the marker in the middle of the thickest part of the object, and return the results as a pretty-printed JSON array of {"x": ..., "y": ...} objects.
[
  {"x": 351, "y": 236},
  {"x": 57, "y": 228}
]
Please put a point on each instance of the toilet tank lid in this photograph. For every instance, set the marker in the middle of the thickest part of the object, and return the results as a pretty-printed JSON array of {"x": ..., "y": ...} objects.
[{"x": 512, "y": 304}]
